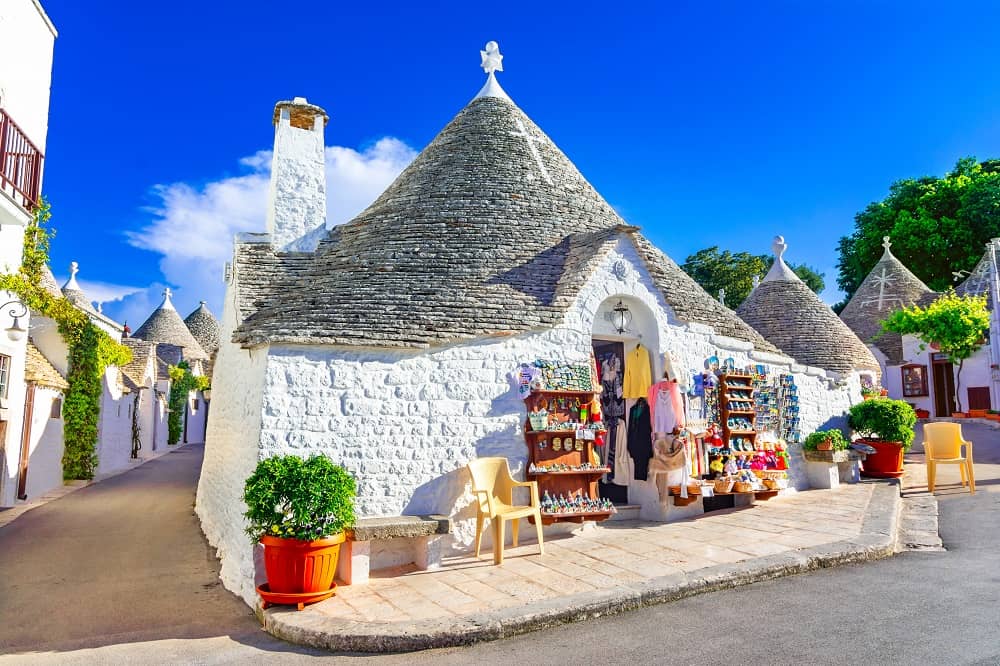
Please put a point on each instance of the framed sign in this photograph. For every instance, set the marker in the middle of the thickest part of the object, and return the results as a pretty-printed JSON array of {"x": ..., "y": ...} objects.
[{"x": 914, "y": 380}]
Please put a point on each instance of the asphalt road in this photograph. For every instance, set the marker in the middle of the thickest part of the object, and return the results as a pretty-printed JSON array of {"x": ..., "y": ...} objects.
[{"x": 917, "y": 608}]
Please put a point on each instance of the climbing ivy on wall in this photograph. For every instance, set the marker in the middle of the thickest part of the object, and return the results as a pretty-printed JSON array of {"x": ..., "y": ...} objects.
[
  {"x": 182, "y": 382},
  {"x": 91, "y": 350}
]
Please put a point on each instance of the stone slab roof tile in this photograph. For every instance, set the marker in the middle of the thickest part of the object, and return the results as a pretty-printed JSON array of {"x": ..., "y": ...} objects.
[
  {"x": 135, "y": 369},
  {"x": 38, "y": 370},
  {"x": 790, "y": 315},
  {"x": 204, "y": 327},
  {"x": 166, "y": 326},
  {"x": 485, "y": 233}
]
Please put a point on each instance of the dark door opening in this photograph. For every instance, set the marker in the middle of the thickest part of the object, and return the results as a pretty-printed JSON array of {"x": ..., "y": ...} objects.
[{"x": 944, "y": 388}]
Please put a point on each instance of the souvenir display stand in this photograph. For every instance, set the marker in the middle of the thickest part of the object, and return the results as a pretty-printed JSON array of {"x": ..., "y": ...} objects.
[
  {"x": 561, "y": 456},
  {"x": 737, "y": 412}
]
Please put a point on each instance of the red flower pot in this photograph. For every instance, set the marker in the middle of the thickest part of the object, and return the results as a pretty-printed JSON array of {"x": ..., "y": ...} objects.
[
  {"x": 295, "y": 567},
  {"x": 886, "y": 462}
]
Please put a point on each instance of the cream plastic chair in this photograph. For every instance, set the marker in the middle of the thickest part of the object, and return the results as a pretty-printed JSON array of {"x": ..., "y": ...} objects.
[
  {"x": 943, "y": 444},
  {"x": 494, "y": 487}
]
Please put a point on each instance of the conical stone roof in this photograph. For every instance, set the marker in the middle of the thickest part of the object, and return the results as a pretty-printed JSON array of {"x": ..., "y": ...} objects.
[
  {"x": 889, "y": 286},
  {"x": 787, "y": 312},
  {"x": 204, "y": 327},
  {"x": 166, "y": 326},
  {"x": 472, "y": 239}
]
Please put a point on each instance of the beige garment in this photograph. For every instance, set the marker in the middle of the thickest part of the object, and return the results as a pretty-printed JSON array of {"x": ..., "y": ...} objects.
[{"x": 623, "y": 461}]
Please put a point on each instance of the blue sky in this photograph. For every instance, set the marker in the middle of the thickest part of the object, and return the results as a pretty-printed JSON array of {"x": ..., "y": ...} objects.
[{"x": 704, "y": 123}]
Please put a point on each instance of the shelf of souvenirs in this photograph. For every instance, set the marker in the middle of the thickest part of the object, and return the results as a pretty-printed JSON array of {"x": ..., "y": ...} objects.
[
  {"x": 575, "y": 507},
  {"x": 564, "y": 431},
  {"x": 562, "y": 392},
  {"x": 558, "y": 469}
]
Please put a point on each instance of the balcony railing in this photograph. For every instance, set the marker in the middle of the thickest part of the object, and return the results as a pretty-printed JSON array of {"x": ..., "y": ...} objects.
[{"x": 20, "y": 164}]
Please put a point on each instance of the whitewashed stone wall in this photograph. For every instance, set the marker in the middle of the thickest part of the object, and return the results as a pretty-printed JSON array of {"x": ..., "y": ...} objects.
[
  {"x": 114, "y": 427},
  {"x": 231, "y": 452},
  {"x": 405, "y": 423},
  {"x": 45, "y": 470},
  {"x": 195, "y": 419}
]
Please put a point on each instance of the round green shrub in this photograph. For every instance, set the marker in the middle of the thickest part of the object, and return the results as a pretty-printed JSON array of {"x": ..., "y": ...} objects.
[
  {"x": 884, "y": 419},
  {"x": 840, "y": 442},
  {"x": 292, "y": 498}
]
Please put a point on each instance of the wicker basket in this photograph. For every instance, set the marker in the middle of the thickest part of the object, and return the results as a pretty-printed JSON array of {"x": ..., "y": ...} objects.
[
  {"x": 742, "y": 487},
  {"x": 693, "y": 489},
  {"x": 724, "y": 485},
  {"x": 770, "y": 484}
]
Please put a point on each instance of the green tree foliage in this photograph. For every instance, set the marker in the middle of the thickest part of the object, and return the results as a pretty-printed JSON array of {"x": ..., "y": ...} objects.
[
  {"x": 91, "y": 350},
  {"x": 716, "y": 269},
  {"x": 938, "y": 226},
  {"x": 182, "y": 382},
  {"x": 956, "y": 324}
]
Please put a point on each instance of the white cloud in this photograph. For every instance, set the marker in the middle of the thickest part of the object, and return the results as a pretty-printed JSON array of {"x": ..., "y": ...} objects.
[{"x": 193, "y": 227}]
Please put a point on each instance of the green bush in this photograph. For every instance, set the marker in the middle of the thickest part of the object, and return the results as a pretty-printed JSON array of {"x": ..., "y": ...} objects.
[
  {"x": 884, "y": 419},
  {"x": 292, "y": 498},
  {"x": 811, "y": 442}
]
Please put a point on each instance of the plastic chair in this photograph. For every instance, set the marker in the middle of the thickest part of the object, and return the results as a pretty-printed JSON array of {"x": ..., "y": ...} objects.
[
  {"x": 943, "y": 444},
  {"x": 494, "y": 488}
]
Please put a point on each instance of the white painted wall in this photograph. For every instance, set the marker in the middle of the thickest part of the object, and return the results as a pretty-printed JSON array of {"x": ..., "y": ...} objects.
[
  {"x": 405, "y": 423},
  {"x": 976, "y": 372},
  {"x": 231, "y": 452},
  {"x": 26, "y": 41},
  {"x": 195, "y": 419},
  {"x": 11, "y": 404},
  {"x": 45, "y": 470},
  {"x": 114, "y": 427}
]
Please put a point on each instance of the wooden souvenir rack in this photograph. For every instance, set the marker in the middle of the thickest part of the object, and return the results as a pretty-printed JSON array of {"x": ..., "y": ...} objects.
[
  {"x": 542, "y": 451},
  {"x": 737, "y": 404}
]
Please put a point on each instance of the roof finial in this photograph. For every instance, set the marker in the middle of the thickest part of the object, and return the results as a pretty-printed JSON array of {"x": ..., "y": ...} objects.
[
  {"x": 756, "y": 281},
  {"x": 779, "y": 269},
  {"x": 886, "y": 243},
  {"x": 71, "y": 283},
  {"x": 492, "y": 60},
  {"x": 167, "y": 305},
  {"x": 722, "y": 296}
]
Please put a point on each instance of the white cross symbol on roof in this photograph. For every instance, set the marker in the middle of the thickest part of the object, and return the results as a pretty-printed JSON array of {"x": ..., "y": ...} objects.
[{"x": 533, "y": 148}]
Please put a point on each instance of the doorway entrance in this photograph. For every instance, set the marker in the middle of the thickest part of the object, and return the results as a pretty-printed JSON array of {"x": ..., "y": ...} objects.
[{"x": 944, "y": 385}]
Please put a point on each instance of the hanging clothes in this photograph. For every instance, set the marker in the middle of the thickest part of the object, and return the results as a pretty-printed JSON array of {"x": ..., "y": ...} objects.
[
  {"x": 612, "y": 404},
  {"x": 638, "y": 376},
  {"x": 667, "y": 405},
  {"x": 622, "y": 463},
  {"x": 640, "y": 438}
]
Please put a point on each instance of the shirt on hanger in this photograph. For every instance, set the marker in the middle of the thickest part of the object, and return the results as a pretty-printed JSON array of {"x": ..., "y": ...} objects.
[
  {"x": 667, "y": 406},
  {"x": 638, "y": 376}
]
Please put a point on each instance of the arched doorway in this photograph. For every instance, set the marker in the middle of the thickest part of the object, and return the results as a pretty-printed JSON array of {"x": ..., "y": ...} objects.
[{"x": 624, "y": 332}]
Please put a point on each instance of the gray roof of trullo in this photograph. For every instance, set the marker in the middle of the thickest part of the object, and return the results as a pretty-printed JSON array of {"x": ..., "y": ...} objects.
[
  {"x": 204, "y": 327},
  {"x": 472, "y": 239},
  {"x": 979, "y": 280},
  {"x": 889, "y": 286},
  {"x": 135, "y": 369},
  {"x": 48, "y": 282},
  {"x": 166, "y": 356},
  {"x": 166, "y": 326},
  {"x": 789, "y": 314}
]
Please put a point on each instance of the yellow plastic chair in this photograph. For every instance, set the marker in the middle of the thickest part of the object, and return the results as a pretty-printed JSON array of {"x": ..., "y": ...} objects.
[
  {"x": 943, "y": 444},
  {"x": 494, "y": 489}
]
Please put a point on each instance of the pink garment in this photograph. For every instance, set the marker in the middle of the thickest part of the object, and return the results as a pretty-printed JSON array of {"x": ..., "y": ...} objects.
[{"x": 666, "y": 405}]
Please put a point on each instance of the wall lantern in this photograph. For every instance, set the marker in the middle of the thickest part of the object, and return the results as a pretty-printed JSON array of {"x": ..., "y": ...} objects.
[
  {"x": 621, "y": 317},
  {"x": 16, "y": 332}
]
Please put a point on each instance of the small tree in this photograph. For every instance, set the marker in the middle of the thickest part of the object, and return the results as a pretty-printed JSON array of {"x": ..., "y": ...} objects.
[{"x": 956, "y": 324}]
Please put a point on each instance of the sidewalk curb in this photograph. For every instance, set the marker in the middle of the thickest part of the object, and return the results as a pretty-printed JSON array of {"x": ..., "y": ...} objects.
[{"x": 876, "y": 541}]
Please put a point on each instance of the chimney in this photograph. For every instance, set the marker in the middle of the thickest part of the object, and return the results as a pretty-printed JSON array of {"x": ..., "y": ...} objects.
[{"x": 297, "y": 198}]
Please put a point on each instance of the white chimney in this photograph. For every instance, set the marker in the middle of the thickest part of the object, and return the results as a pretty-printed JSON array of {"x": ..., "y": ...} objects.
[{"x": 297, "y": 200}]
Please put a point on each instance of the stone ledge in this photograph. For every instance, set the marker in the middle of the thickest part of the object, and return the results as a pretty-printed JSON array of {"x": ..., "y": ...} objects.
[
  {"x": 396, "y": 527},
  {"x": 877, "y": 541}
]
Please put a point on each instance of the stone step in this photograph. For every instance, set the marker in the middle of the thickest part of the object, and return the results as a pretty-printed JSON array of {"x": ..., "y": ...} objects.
[
  {"x": 918, "y": 524},
  {"x": 626, "y": 512}
]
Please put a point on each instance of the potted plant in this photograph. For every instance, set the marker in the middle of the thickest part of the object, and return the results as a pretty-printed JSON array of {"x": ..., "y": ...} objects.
[
  {"x": 887, "y": 426},
  {"x": 299, "y": 509},
  {"x": 977, "y": 413},
  {"x": 993, "y": 415},
  {"x": 825, "y": 440},
  {"x": 922, "y": 413},
  {"x": 870, "y": 392}
]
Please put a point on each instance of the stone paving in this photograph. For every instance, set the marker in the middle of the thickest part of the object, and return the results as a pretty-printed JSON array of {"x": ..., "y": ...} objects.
[{"x": 613, "y": 554}]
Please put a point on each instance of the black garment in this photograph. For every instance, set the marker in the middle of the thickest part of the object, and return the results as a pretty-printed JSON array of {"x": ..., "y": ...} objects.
[{"x": 640, "y": 437}]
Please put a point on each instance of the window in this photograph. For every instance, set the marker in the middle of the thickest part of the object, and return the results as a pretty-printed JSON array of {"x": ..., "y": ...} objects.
[
  {"x": 56, "y": 408},
  {"x": 4, "y": 374},
  {"x": 914, "y": 380}
]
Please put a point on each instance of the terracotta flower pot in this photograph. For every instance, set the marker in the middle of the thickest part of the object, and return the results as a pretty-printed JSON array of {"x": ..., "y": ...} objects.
[
  {"x": 825, "y": 445},
  {"x": 923, "y": 414},
  {"x": 958, "y": 415},
  {"x": 977, "y": 413},
  {"x": 886, "y": 462},
  {"x": 295, "y": 567}
]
